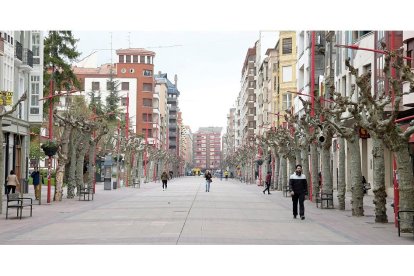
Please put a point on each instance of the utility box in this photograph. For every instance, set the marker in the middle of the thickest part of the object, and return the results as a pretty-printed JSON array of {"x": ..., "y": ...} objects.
[{"x": 107, "y": 172}]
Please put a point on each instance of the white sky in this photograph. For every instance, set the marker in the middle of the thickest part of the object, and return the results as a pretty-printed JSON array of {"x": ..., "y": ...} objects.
[{"x": 208, "y": 67}]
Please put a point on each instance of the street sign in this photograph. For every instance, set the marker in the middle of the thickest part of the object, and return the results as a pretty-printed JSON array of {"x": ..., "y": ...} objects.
[{"x": 8, "y": 96}]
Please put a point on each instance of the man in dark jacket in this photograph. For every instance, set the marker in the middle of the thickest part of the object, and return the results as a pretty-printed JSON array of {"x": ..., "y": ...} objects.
[
  {"x": 298, "y": 187},
  {"x": 36, "y": 181}
]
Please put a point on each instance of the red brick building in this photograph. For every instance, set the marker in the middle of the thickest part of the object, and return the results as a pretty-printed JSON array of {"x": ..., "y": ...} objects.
[{"x": 207, "y": 148}]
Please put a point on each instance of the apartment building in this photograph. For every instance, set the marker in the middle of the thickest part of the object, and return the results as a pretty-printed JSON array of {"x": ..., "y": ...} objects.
[
  {"x": 207, "y": 148},
  {"x": 21, "y": 71}
]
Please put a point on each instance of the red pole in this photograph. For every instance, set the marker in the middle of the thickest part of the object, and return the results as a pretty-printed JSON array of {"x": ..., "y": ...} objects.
[
  {"x": 49, "y": 180},
  {"x": 145, "y": 153},
  {"x": 127, "y": 134},
  {"x": 117, "y": 157},
  {"x": 312, "y": 86},
  {"x": 94, "y": 164}
]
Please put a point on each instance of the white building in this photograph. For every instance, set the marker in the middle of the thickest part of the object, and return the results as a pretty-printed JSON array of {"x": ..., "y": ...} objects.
[{"x": 21, "y": 70}]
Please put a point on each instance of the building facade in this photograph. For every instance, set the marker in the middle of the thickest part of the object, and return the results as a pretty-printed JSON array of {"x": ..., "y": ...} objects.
[
  {"x": 207, "y": 148},
  {"x": 20, "y": 72}
]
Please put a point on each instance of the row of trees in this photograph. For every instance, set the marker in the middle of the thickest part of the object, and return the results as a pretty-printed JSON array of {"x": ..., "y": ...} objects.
[
  {"x": 339, "y": 116},
  {"x": 84, "y": 131}
]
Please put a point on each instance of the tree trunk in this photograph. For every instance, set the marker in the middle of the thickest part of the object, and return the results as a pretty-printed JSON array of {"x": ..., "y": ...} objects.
[
  {"x": 356, "y": 177},
  {"x": 292, "y": 165},
  {"x": 80, "y": 158},
  {"x": 283, "y": 173},
  {"x": 379, "y": 180},
  {"x": 314, "y": 169},
  {"x": 341, "y": 175},
  {"x": 327, "y": 184},
  {"x": 62, "y": 161},
  {"x": 74, "y": 144},
  {"x": 277, "y": 167},
  {"x": 298, "y": 157},
  {"x": 139, "y": 167},
  {"x": 305, "y": 166},
  {"x": 406, "y": 184},
  {"x": 91, "y": 159}
]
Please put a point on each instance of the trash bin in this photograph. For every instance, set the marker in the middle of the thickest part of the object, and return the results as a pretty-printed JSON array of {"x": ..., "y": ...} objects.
[
  {"x": 107, "y": 184},
  {"x": 114, "y": 184}
]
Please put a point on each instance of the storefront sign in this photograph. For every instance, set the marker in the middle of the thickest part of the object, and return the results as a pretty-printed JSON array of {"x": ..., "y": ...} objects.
[{"x": 8, "y": 96}]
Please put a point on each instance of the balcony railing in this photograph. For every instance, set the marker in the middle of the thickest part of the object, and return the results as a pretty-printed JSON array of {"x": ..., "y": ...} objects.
[
  {"x": 18, "y": 50},
  {"x": 1, "y": 46},
  {"x": 27, "y": 57}
]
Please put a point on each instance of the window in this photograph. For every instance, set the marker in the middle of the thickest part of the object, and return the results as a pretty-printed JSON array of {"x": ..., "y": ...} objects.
[
  {"x": 34, "y": 96},
  {"x": 251, "y": 84},
  {"x": 108, "y": 85},
  {"x": 147, "y": 87},
  {"x": 128, "y": 59},
  {"x": 35, "y": 44},
  {"x": 148, "y": 102},
  {"x": 287, "y": 101},
  {"x": 410, "y": 55},
  {"x": 147, "y": 73},
  {"x": 121, "y": 58},
  {"x": 125, "y": 86},
  {"x": 149, "y": 59},
  {"x": 124, "y": 101},
  {"x": 95, "y": 86},
  {"x": 286, "y": 73},
  {"x": 287, "y": 46},
  {"x": 135, "y": 59},
  {"x": 147, "y": 132},
  {"x": 141, "y": 59},
  {"x": 147, "y": 117},
  {"x": 274, "y": 67}
]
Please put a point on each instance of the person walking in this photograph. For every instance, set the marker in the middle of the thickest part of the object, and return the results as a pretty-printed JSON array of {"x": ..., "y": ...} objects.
[
  {"x": 226, "y": 174},
  {"x": 12, "y": 183},
  {"x": 298, "y": 188},
  {"x": 208, "y": 180},
  {"x": 268, "y": 180},
  {"x": 164, "y": 179},
  {"x": 35, "y": 175}
]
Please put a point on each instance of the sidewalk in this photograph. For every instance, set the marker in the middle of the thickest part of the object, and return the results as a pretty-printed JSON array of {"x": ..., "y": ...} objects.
[{"x": 231, "y": 213}]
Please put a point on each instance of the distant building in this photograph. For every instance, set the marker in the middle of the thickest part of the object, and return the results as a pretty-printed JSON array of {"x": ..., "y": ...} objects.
[{"x": 207, "y": 152}]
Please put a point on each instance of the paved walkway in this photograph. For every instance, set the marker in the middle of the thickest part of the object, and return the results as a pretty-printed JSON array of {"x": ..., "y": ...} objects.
[{"x": 231, "y": 213}]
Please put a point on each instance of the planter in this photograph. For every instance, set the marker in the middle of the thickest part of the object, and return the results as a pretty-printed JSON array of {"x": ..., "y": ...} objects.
[
  {"x": 50, "y": 151},
  {"x": 50, "y": 148}
]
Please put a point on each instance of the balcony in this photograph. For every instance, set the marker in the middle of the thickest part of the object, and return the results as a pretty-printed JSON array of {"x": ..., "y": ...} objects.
[
  {"x": 1, "y": 46},
  {"x": 18, "y": 51},
  {"x": 27, "y": 59}
]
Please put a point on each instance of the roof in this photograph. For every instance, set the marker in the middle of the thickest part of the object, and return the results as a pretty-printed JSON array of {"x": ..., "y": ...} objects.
[
  {"x": 172, "y": 89},
  {"x": 135, "y": 51},
  {"x": 104, "y": 69}
]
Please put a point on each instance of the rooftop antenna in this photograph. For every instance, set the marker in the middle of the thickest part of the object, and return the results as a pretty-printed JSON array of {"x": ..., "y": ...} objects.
[{"x": 129, "y": 39}]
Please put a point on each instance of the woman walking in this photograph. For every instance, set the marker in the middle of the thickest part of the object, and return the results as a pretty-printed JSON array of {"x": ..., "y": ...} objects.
[
  {"x": 208, "y": 180},
  {"x": 164, "y": 179},
  {"x": 12, "y": 183}
]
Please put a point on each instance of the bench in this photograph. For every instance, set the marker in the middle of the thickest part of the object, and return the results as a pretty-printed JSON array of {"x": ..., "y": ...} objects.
[
  {"x": 15, "y": 201},
  {"x": 324, "y": 197},
  {"x": 409, "y": 218},
  {"x": 85, "y": 190}
]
